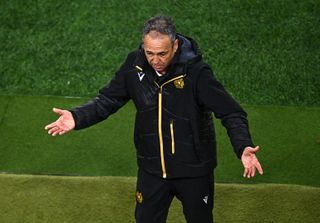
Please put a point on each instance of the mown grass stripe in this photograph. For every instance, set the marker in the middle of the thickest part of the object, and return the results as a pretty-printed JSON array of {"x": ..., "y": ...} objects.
[
  {"x": 287, "y": 136},
  {"x": 27, "y": 198}
]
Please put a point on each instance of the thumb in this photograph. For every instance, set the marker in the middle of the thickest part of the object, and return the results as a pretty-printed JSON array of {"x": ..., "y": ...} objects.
[
  {"x": 58, "y": 111},
  {"x": 250, "y": 150},
  {"x": 255, "y": 149}
]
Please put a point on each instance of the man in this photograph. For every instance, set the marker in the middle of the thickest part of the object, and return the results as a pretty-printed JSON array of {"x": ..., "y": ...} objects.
[{"x": 174, "y": 93}]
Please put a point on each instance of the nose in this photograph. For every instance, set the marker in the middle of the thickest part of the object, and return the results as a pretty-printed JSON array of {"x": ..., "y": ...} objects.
[{"x": 155, "y": 60}]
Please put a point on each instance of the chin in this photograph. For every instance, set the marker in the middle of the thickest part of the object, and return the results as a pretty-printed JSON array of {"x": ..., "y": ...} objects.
[{"x": 161, "y": 72}]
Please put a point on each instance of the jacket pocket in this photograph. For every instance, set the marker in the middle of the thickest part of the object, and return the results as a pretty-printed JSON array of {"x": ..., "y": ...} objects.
[
  {"x": 185, "y": 152},
  {"x": 178, "y": 137}
]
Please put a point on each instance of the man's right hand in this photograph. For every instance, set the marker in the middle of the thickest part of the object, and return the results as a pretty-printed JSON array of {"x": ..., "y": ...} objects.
[{"x": 64, "y": 123}]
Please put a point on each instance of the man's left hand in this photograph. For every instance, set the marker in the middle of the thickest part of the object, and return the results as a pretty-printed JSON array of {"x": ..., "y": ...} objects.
[{"x": 250, "y": 162}]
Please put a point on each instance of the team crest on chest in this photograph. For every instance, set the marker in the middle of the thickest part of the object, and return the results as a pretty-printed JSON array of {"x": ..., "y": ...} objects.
[{"x": 179, "y": 83}]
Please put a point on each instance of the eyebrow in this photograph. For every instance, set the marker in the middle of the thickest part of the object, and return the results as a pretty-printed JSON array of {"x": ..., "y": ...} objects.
[{"x": 162, "y": 52}]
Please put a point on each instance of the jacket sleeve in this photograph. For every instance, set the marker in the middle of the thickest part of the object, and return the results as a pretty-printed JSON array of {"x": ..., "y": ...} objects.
[
  {"x": 110, "y": 98},
  {"x": 213, "y": 96}
]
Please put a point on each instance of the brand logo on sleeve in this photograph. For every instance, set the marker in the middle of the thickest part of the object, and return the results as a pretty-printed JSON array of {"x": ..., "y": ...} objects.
[{"x": 205, "y": 199}]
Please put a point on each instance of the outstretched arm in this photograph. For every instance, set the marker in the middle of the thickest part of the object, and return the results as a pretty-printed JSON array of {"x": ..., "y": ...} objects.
[
  {"x": 213, "y": 96},
  {"x": 64, "y": 123},
  {"x": 250, "y": 162}
]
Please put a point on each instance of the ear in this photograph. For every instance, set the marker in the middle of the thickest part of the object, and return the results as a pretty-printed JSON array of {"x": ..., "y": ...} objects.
[{"x": 175, "y": 45}]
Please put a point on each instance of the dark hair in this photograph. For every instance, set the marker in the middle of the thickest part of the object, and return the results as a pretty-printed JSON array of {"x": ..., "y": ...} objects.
[{"x": 162, "y": 24}]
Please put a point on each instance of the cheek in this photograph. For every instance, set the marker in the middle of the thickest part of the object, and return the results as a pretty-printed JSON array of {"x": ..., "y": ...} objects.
[
  {"x": 165, "y": 60},
  {"x": 149, "y": 59}
]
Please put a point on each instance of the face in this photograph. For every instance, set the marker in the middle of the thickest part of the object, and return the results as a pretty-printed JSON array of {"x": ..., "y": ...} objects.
[{"x": 159, "y": 50}]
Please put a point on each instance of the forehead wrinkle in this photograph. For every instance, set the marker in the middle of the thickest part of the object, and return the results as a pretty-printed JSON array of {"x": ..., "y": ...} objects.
[
  {"x": 157, "y": 44},
  {"x": 156, "y": 49}
]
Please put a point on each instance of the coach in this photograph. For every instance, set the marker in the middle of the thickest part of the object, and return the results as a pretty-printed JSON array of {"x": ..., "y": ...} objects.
[{"x": 175, "y": 93}]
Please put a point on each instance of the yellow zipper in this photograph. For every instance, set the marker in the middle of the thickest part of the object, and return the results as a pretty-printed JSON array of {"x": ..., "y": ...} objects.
[
  {"x": 172, "y": 137},
  {"x": 163, "y": 164}
]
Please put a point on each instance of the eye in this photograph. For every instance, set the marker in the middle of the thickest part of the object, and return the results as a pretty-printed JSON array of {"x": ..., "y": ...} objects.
[{"x": 149, "y": 53}]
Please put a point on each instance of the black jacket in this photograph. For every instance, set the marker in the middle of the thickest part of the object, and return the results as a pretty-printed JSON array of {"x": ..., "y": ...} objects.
[{"x": 174, "y": 132}]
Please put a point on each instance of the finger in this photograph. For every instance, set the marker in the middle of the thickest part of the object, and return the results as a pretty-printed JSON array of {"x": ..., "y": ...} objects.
[
  {"x": 51, "y": 125},
  {"x": 259, "y": 168},
  {"x": 58, "y": 111},
  {"x": 53, "y": 130},
  {"x": 253, "y": 171},
  {"x": 62, "y": 132},
  {"x": 255, "y": 149},
  {"x": 249, "y": 173},
  {"x": 246, "y": 171},
  {"x": 57, "y": 132}
]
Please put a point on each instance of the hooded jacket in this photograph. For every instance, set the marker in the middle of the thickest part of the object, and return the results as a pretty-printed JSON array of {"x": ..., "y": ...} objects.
[{"x": 174, "y": 132}]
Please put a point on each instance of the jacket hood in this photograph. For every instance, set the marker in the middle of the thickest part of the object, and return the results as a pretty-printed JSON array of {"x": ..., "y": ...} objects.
[{"x": 188, "y": 50}]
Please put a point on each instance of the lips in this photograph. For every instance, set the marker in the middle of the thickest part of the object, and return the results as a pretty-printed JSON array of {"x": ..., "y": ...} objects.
[{"x": 157, "y": 67}]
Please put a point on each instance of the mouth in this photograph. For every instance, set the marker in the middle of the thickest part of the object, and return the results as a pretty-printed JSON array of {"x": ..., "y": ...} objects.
[{"x": 158, "y": 67}]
